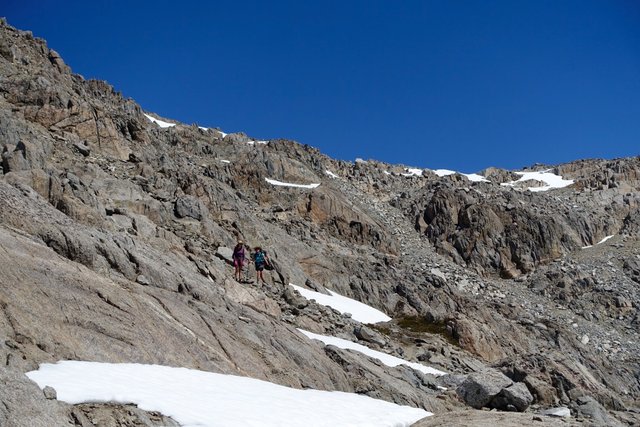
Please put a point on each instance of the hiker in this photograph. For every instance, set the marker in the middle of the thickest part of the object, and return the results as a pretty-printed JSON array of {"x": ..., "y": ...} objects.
[
  {"x": 261, "y": 259},
  {"x": 238, "y": 260}
]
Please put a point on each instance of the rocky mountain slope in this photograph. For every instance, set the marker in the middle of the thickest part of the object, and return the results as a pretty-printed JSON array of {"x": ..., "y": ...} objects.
[{"x": 114, "y": 233}]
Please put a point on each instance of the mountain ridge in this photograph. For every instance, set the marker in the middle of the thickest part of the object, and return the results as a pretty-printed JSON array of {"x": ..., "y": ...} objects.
[{"x": 143, "y": 214}]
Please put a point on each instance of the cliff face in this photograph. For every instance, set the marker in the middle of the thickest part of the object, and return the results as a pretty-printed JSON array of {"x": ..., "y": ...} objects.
[{"x": 113, "y": 234}]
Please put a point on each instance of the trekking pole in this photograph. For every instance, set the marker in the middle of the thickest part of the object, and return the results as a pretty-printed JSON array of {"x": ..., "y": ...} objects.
[{"x": 246, "y": 272}]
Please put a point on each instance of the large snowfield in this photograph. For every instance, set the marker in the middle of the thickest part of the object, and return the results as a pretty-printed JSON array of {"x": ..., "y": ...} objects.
[{"x": 196, "y": 398}]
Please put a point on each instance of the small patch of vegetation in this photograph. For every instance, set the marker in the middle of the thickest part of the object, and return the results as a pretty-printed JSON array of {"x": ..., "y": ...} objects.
[
  {"x": 382, "y": 329},
  {"x": 421, "y": 325}
]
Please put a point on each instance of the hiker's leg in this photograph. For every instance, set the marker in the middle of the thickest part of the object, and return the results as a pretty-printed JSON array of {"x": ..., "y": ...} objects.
[{"x": 239, "y": 271}]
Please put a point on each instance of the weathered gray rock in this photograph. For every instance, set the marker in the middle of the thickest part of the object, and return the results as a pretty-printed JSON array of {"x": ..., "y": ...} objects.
[
  {"x": 225, "y": 253},
  {"x": 480, "y": 388},
  {"x": 50, "y": 393},
  {"x": 513, "y": 398},
  {"x": 189, "y": 206},
  {"x": 294, "y": 299},
  {"x": 14, "y": 158},
  {"x": 24, "y": 403},
  {"x": 367, "y": 334},
  {"x": 588, "y": 407},
  {"x": 82, "y": 148}
]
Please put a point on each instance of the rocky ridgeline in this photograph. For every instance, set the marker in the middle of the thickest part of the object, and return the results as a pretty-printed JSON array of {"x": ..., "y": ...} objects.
[{"x": 115, "y": 236}]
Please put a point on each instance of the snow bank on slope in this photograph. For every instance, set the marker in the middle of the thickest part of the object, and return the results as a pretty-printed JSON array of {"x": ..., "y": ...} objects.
[
  {"x": 288, "y": 184},
  {"x": 159, "y": 122},
  {"x": 197, "y": 398},
  {"x": 601, "y": 241},
  {"x": 550, "y": 179},
  {"x": 474, "y": 177},
  {"x": 359, "y": 311},
  {"x": 387, "y": 359}
]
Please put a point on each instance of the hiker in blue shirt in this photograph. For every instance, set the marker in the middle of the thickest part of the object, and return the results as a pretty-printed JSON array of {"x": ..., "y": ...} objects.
[{"x": 261, "y": 259}]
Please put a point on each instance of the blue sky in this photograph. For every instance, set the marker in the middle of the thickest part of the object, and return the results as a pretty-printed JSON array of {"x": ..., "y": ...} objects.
[{"x": 440, "y": 84}]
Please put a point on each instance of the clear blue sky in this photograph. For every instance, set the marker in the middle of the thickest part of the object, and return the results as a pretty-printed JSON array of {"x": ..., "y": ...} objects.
[{"x": 440, "y": 84}]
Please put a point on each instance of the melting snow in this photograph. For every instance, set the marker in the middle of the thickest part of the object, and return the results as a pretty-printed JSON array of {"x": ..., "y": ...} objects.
[
  {"x": 198, "y": 398},
  {"x": 474, "y": 177},
  {"x": 257, "y": 142},
  {"x": 225, "y": 161},
  {"x": 444, "y": 172},
  {"x": 387, "y": 359},
  {"x": 331, "y": 174},
  {"x": 160, "y": 122},
  {"x": 288, "y": 184},
  {"x": 605, "y": 239},
  {"x": 601, "y": 241},
  {"x": 550, "y": 179},
  {"x": 413, "y": 172},
  {"x": 359, "y": 311}
]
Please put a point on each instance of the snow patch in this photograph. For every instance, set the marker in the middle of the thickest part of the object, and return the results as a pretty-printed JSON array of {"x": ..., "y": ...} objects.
[
  {"x": 601, "y": 241},
  {"x": 443, "y": 172},
  {"x": 198, "y": 398},
  {"x": 413, "y": 172},
  {"x": 257, "y": 142},
  {"x": 359, "y": 311},
  {"x": 288, "y": 184},
  {"x": 474, "y": 177},
  {"x": 550, "y": 179},
  {"x": 160, "y": 123},
  {"x": 387, "y": 359},
  {"x": 331, "y": 174}
]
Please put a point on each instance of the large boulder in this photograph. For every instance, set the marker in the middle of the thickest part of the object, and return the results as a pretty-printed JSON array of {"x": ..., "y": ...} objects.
[
  {"x": 479, "y": 389},
  {"x": 493, "y": 389},
  {"x": 189, "y": 206},
  {"x": 513, "y": 398}
]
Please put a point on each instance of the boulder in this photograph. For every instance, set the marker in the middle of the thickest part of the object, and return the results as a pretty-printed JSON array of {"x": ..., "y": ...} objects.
[
  {"x": 480, "y": 388},
  {"x": 225, "y": 254},
  {"x": 294, "y": 299},
  {"x": 513, "y": 398},
  {"x": 13, "y": 158},
  {"x": 189, "y": 206},
  {"x": 589, "y": 407},
  {"x": 365, "y": 333}
]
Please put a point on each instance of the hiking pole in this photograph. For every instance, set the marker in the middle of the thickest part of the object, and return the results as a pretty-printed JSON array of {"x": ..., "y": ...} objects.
[{"x": 246, "y": 272}]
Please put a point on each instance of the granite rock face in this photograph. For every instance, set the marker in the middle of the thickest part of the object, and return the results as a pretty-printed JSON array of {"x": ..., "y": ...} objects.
[{"x": 115, "y": 238}]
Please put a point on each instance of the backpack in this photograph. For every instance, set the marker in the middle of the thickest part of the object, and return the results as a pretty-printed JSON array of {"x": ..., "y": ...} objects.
[{"x": 259, "y": 257}]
